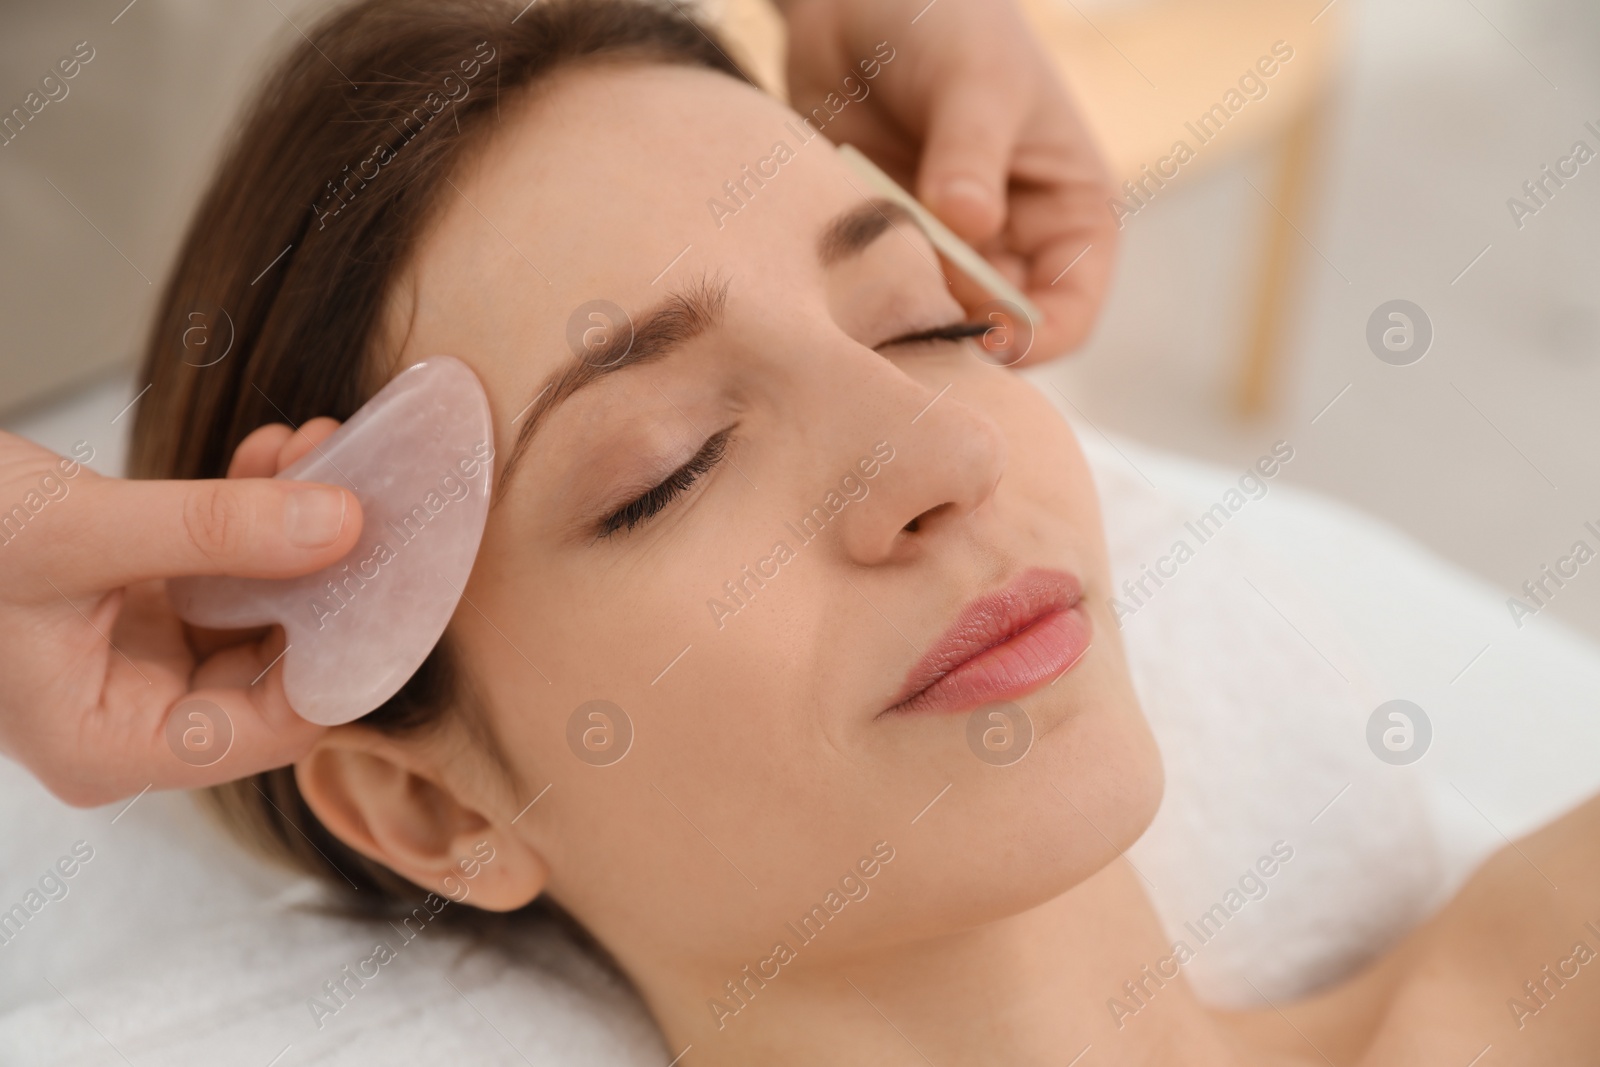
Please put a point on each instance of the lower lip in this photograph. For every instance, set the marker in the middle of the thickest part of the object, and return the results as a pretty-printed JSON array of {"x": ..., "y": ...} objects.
[{"x": 1049, "y": 647}]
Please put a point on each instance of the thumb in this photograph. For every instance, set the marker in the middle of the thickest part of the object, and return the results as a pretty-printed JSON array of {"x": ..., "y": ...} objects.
[
  {"x": 966, "y": 156},
  {"x": 124, "y": 531}
]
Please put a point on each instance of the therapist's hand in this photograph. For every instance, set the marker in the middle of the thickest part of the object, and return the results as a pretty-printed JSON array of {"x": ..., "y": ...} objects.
[
  {"x": 970, "y": 114},
  {"x": 93, "y": 661}
]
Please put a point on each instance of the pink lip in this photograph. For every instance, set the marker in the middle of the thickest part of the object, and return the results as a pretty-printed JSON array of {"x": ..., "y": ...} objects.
[{"x": 1002, "y": 645}]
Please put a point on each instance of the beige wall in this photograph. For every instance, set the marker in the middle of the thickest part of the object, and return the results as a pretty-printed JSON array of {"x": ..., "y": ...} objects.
[{"x": 129, "y": 145}]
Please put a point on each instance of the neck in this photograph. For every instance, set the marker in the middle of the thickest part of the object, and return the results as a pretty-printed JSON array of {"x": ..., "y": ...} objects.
[{"x": 1033, "y": 988}]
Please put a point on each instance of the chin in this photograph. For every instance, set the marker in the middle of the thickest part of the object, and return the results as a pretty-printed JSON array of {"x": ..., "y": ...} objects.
[
  {"x": 1095, "y": 788},
  {"x": 1008, "y": 840}
]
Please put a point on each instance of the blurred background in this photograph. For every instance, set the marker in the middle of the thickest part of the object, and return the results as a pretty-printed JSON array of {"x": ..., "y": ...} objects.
[{"x": 1375, "y": 165}]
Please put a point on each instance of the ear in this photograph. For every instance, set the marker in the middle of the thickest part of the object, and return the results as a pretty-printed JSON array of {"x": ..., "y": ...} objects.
[{"x": 386, "y": 800}]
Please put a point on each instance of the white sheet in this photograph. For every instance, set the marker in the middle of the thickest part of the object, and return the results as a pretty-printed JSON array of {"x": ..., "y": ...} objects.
[{"x": 173, "y": 948}]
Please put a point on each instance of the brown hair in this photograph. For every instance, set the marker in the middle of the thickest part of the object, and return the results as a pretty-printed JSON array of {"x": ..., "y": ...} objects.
[{"x": 311, "y": 216}]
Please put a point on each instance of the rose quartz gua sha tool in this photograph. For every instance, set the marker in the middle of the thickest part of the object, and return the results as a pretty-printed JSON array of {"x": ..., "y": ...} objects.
[{"x": 418, "y": 456}]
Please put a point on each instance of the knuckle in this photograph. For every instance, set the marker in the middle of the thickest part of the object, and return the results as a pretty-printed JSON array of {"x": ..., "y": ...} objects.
[{"x": 215, "y": 521}]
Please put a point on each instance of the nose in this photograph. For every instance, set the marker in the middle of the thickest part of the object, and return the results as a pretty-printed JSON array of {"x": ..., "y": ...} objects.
[{"x": 947, "y": 459}]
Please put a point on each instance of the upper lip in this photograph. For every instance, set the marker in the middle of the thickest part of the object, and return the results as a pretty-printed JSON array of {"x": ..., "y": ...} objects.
[{"x": 990, "y": 620}]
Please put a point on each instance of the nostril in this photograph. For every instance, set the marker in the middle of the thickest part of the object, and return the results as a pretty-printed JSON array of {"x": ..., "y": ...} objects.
[{"x": 916, "y": 524}]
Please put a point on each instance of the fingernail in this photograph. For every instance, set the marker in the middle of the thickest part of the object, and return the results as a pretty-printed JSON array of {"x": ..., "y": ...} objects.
[
  {"x": 312, "y": 518},
  {"x": 966, "y": 188}
]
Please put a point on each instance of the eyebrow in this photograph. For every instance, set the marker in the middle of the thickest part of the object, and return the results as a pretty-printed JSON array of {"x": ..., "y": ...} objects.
[
  {"x": 851, "y": 232},
  {"x": 667, "y": 326},
  {"x": 683, "y": 316}
]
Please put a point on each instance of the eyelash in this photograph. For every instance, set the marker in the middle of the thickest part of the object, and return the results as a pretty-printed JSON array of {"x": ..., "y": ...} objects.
[
  {"x": 648, "y": 504},
  {"x": 644, "y": 507},
  {"x": 956, "y": 331}
]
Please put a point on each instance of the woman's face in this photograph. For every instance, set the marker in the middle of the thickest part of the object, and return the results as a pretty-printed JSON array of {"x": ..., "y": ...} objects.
[{"x": 748, "y": 531}]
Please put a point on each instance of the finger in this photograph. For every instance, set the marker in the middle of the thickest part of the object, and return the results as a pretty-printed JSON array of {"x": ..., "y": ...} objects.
[
  {"x": 113, "y": 532},
  {"x": 1012, "y": 267},
  {"x": 310, "y": 434},
  {"x": 1069, "y": 270},
  {"x": 966, "y": 158},
  {"x": 161, "y": 723},
  {"x": 255, "y": 457},
  {"x": 241, "y": 690},
  {"x": 222, "y": 726},
  {"x": 203, "y": 642},
  {"x": 1070, "y": 308},
  {"x": 257, "y": 454},
  {"x": 212, "y": 734}
]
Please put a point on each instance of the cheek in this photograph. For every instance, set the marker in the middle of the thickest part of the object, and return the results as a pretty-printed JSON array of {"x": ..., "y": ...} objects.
[
  {"x": 1048, "y": 490},
  {"x": 728, "y": 774},
  {"x": 697, "y": 639}
]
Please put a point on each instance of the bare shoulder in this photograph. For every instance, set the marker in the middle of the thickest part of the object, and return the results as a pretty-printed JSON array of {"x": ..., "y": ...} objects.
[
  {"x": 1507, "y": 973},
  {"x": 1509, "y": 970}
]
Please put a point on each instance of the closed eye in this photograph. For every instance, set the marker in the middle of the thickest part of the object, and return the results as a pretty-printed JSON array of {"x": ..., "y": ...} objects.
[
  {"x": 644, "y": 507},
  {"x": 956, "y": 331},
  {"x": 648, "y": 504}
]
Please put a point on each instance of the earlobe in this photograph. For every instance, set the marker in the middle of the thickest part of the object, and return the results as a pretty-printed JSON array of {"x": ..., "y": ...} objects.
[
  {"x": 495, "y": 871},
  {"x": 388, "y": 803}
]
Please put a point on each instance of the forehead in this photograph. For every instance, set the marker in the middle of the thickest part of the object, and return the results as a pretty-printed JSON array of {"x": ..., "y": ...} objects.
[{"x": 619, "y": 183}]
